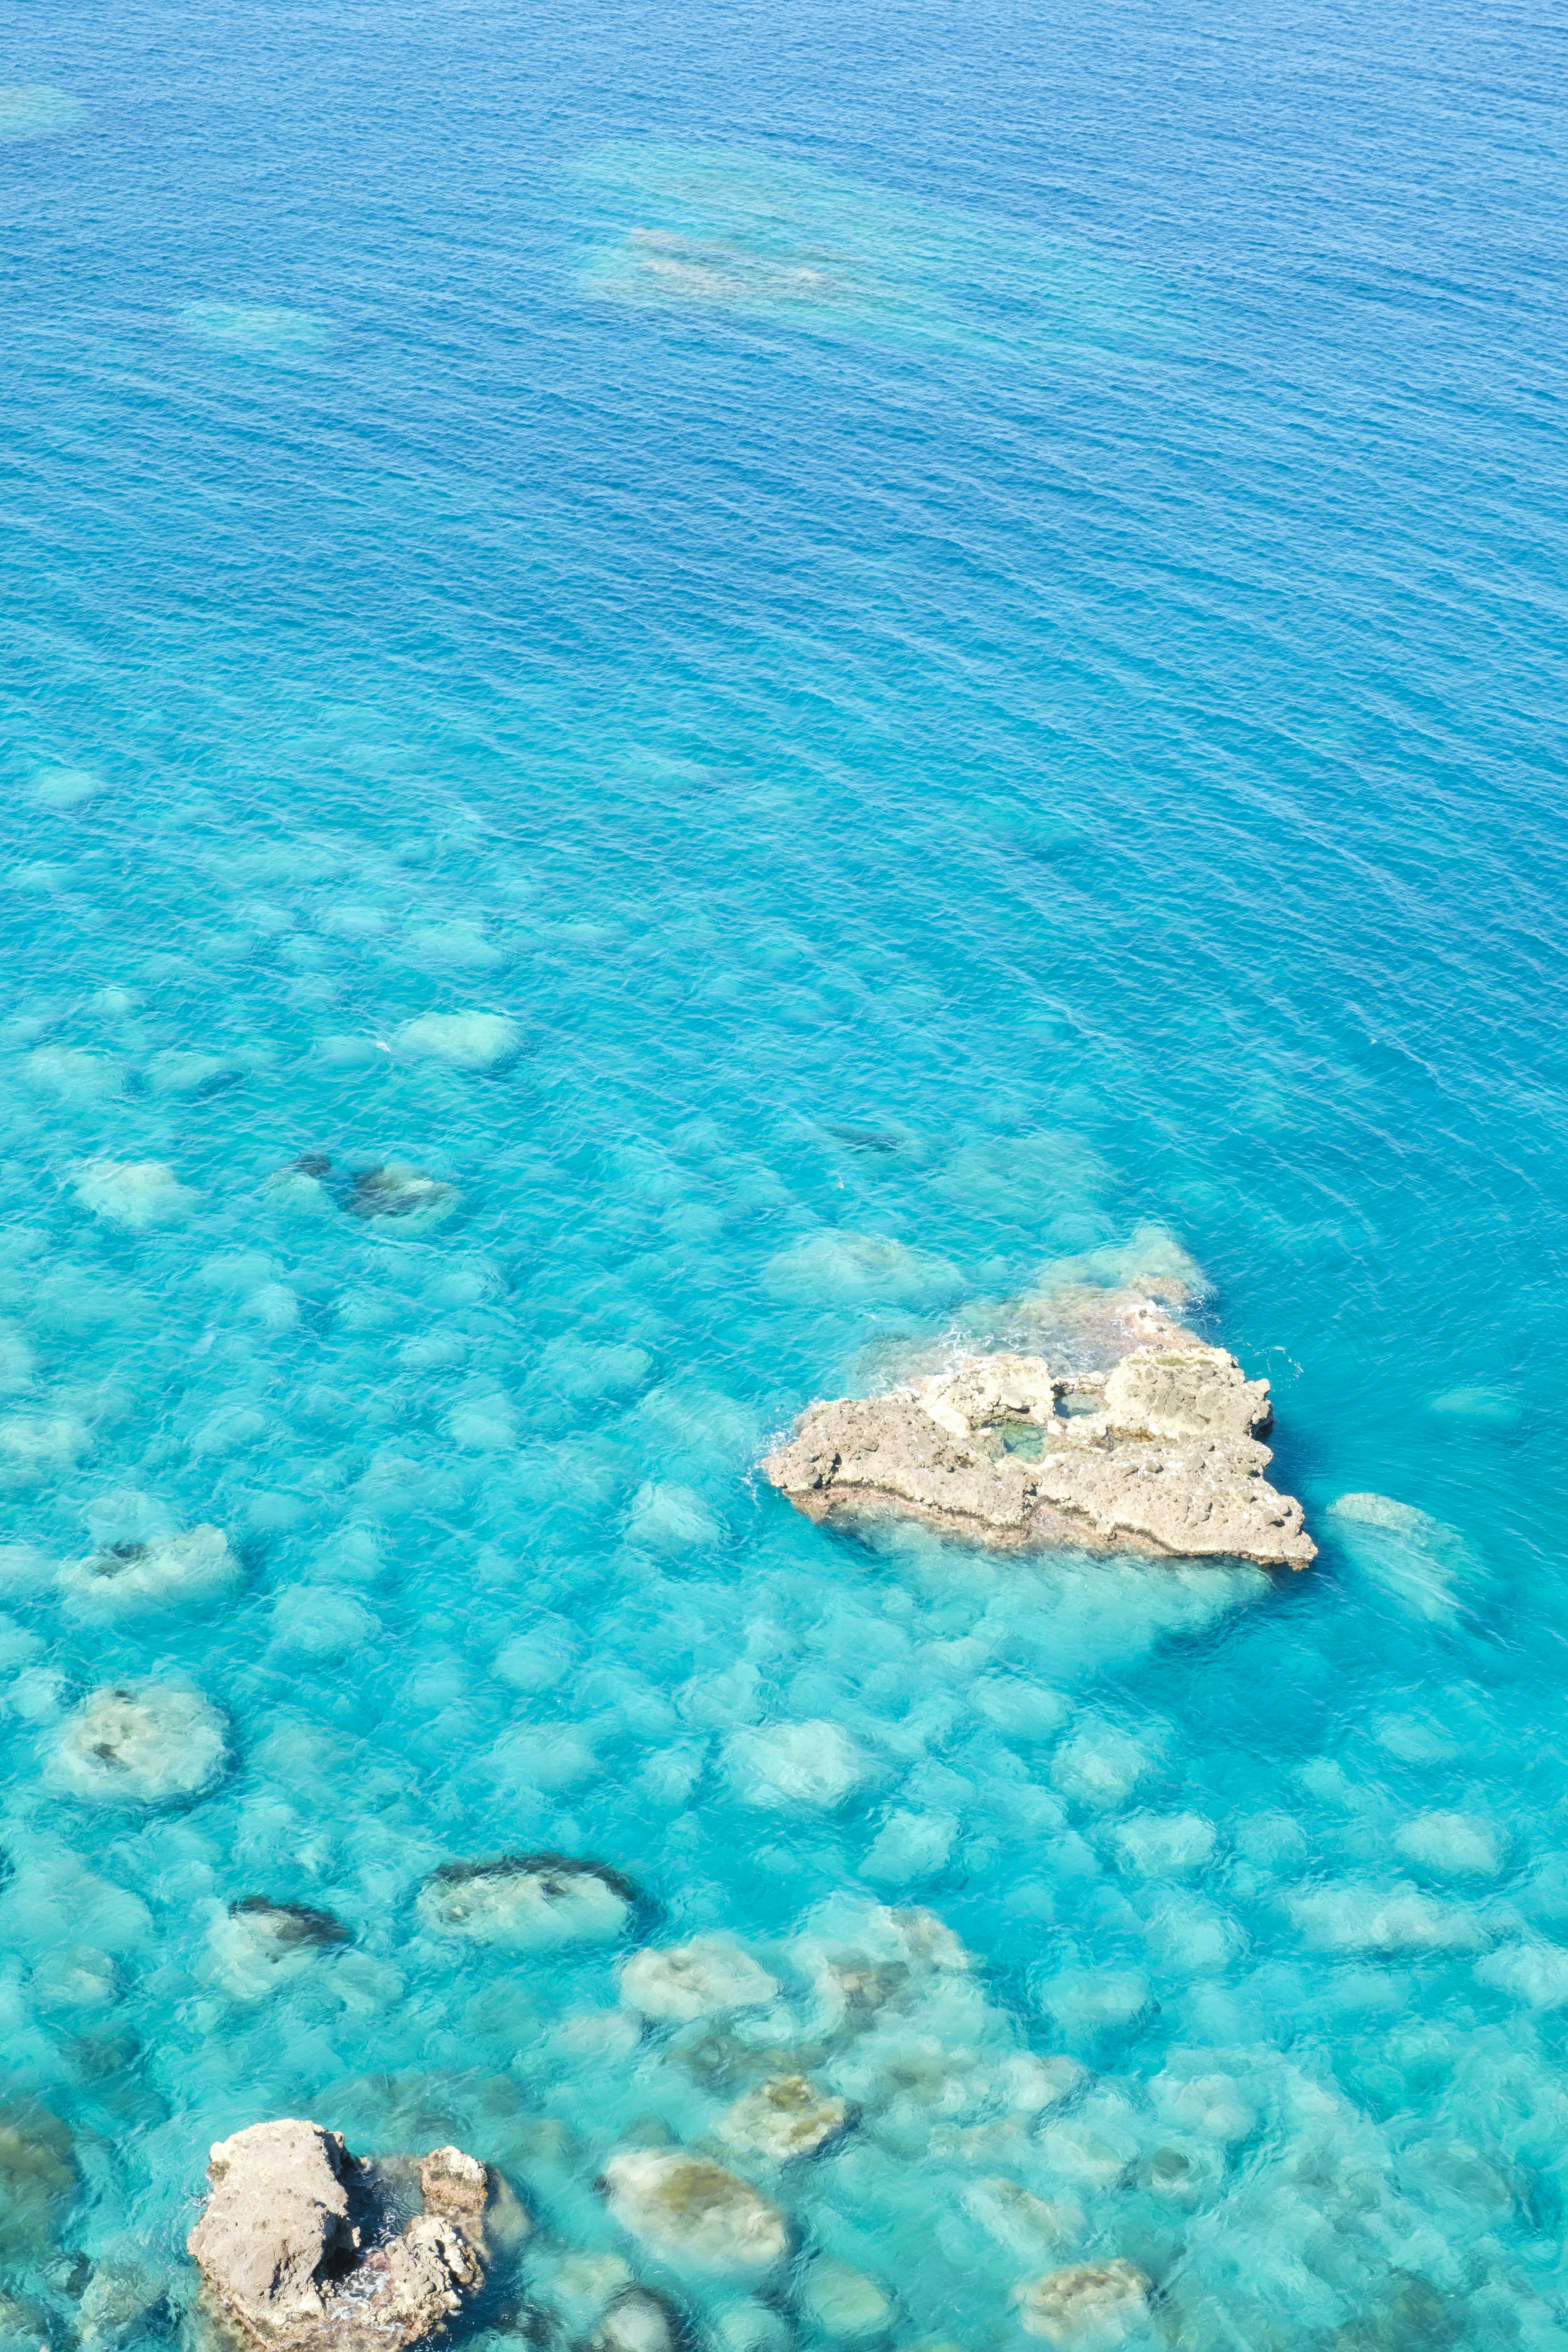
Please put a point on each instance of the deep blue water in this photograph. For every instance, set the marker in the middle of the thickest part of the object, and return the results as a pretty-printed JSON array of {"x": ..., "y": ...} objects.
[{"x": 959, "y": 617}]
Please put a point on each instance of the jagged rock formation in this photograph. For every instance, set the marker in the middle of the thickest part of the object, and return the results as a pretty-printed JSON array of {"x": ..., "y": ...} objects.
[
  {"x": 1160, "y": 1455},
  {"x": 301, "y": 2250}
]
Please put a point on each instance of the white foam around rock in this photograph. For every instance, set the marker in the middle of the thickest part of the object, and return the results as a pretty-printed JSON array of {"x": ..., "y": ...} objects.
[
  {"x": 464, "y": 1041},
  {"x": 141, "y": 1743},
  {"x": 814, "y": 1764},
  {"x": 704, "y": 1977},
  {"x": 136, "y": 1194}
]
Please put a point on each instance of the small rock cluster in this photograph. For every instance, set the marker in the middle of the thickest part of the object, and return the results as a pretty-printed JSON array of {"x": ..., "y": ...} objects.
[{"x": 301, "y": 2251}]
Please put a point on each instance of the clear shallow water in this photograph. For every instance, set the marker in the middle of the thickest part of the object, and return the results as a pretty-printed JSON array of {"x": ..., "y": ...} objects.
[{"x": 961, "y": 621}]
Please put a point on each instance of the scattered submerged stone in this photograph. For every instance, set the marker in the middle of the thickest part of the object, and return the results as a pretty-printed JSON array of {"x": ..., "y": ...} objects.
[
  {"x": 785, "y": 2117},
  {"x": 703, "y": 1978},
  {"x": 135, "y": 1194},
  {"x": 299, "y": 1187},
  {"x": 693, "y": 2213},
  {"x": 397, "y": 1198},
  {"x": 1090, "y": 2304},
  {"x": 37, "y": 2178},
  {"x": 1158, "y": 1456},
  {"x": 116, "y": 2303},
  {"x": 140, "y": 1743},
  {"x": 299, "y": 2245},
  {"x": 465, "y": 1040},
  {"x": 529, "y": 1901},
  {"x": 124, "y": 1578},
  {"x": 258, "y": 1943},
  {"x": 844, "y": 2303},
  {"x": 637, "y": 2321}
]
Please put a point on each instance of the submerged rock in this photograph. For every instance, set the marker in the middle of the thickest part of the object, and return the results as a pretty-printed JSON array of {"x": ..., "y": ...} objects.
[
  {"x": 785, "y": 2117},
  {"x": 465, "y": 1040},
  {"x": 529, "y": 1901},
  {"x": 135, "y": 1194},
  {"x": 1159, "y": 1455},
  {"x": 704, "y": 1977},
  {"x": 141, "y": 1743},
  {"x": 1091, "y": 2304},
  {"x": 257, "y": 1944},
  {"x": 637, "y": 2321},
  {"x": 37, "y": 2178},
  {"x": 299, "y": 1188},
  {"x": 398, "y": 1199},
  {"x": 300, "y": 2246},
  {"x": 693, "y": 2213},
  {"x": 124, "y": 1578}
]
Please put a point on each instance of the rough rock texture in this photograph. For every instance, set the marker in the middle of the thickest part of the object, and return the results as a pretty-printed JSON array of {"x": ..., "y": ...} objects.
[
  {"x": 529, "y": 1901},
  {"x": 299, "y": 2247},
  {"x": 1160, "y": 1455},
  {"x": 1093, "y": 2304},
  {"x": 700, "y": 1979},
  {"x": 785, "y": 2117},
  {"x": 693, "y": 2212},
  {"x": 139, "y": 1744}
]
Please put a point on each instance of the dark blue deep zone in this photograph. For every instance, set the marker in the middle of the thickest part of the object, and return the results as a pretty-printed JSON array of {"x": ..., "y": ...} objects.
[{"x": 1071, "y": 744}]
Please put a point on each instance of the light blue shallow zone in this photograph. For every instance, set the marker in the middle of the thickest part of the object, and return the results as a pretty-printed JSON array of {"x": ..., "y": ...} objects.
[{"x": 962, "y": 617}]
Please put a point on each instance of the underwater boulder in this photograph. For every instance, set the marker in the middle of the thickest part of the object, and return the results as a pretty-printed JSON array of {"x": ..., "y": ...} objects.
[
  {"x": 705, "y": 1977},
  {"x": 37, "y": 2178},
  {"x": 1090, "y": 2304},
  {"x": 141, "y": 1743},
  {"x": 784, "y": 2116},
  {"x": 1158, "y": 1456},
  {"x": 124, "y": 1579},
  {"x": 529, "y": 1901},
  {"x": 135, "y": 1194},
  {"x": 464, "y": 1041},
  {"x": 257, "y": 1944},
  {"x": 396, "y": 1200},
  {"x": 296, "y": 2251},
  {"x": 694, "y": 2214}
]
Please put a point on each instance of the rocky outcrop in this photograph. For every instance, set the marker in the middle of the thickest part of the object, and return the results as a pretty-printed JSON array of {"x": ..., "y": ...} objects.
[
  {"x": 302, "y": 2250},
  {"x": 1160, "y": 1455}
]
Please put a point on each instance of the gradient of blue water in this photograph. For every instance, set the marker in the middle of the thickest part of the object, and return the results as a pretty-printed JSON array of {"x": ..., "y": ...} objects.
[{"x": 1072, "y": 739}]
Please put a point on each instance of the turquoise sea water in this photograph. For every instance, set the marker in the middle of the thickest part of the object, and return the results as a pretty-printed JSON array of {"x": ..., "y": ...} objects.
[{"x": 959, "y": 619}]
